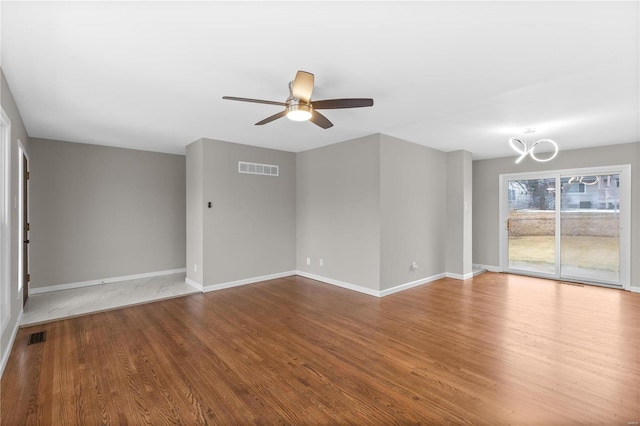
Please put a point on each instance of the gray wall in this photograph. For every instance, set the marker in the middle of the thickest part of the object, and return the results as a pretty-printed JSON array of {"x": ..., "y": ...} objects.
[
  {"x": 101, "y": 212},
  {"x": 412, "y": 211},
  {"x": 195, "y": 212},
  {"x": 250, "y": 229},
  {"x": 459, "y": 207},
  {"x": 18, "y": 131},
  {"x": 338, "y": 211},
  {"x": 372, "y": 206},
  {"x": 486, "y": 194}
]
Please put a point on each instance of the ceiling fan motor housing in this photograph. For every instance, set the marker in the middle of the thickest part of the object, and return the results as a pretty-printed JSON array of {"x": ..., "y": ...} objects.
[{"x": 298, "y": 110}]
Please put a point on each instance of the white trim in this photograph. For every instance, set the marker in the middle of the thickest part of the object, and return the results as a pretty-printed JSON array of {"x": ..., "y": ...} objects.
[
  {"x": 558, "y": 223},
  {"x": 338, "y": 283},
  {"x": 5, "y": 220},
  {"x": 7, "y": 349},
  {"x": 412, "y": 284},
  {"x": 458, "y": 276},
  {"x": 626, "y": 198},
  {"x": 194, "y": 284},
  {"x": 58, "y": 287},
  {"x": 634, "y": 289},
  {"x": 245, "y": 281},
  {"x": 490, "y": 268},
  {"x": 369, "y": 291}
]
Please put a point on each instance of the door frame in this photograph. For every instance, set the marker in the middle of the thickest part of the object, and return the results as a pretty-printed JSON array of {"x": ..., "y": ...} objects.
[
  {"x": 624, "y": 193},
  {"x": 23, "y": 283}
]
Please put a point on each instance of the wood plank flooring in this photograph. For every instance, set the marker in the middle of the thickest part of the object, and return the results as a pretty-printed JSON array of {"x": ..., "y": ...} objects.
[{"x": 496, "y": 349}]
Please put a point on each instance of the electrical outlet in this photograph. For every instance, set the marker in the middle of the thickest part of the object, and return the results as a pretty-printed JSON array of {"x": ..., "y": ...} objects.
[
  {"x": 308, "y": 261},
  {"x": 195, "y": 267},
  {"x": 321, "y": 262},
  {"x": 414, "y": 266}
]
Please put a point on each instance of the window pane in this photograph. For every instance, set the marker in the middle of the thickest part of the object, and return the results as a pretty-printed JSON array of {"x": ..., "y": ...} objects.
[{"x": 532, "y": 226}]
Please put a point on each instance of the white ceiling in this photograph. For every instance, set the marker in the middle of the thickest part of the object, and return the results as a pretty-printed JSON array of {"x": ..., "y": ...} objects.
[{"x": 449, "y": 75}]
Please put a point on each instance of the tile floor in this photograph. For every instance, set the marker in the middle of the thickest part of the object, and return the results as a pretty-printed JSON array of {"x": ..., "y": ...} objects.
[{"x": 80, "y": 301}]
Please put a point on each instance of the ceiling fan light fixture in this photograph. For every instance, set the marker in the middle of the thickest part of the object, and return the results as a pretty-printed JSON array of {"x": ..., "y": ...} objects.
[{"x": 298, "y": 112}]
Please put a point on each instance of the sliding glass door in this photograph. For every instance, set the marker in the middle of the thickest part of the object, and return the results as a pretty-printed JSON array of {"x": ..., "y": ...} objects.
[
  {"x": 590, "y": 224},
  {"x": 569, "y": 224}
]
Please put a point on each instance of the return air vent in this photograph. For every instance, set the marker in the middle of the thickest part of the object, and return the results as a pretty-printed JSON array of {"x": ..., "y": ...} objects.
[{"x": 258, "y": 169}]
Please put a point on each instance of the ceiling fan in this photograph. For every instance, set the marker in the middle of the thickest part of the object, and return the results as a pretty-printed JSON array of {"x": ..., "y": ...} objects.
[{"x": 300, "y": 107}]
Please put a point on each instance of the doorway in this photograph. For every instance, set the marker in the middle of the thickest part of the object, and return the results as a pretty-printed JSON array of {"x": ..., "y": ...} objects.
[{"x": 572, "y": 225}]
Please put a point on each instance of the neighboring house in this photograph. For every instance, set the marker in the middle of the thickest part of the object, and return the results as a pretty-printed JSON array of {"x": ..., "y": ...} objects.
[{"x": 591, "y": 193}]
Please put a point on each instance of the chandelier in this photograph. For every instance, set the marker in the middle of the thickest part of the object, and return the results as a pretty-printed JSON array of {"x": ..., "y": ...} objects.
[{"x": 523, "y": 148}]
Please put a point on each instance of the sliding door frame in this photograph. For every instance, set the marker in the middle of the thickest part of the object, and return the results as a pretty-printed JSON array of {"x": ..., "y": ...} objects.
[{"x": 624, "y": 193}]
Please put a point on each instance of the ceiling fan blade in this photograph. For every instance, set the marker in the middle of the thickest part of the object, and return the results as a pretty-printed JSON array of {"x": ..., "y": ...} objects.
[
  {"x": 302, "y": 86},
  {"x": 320, "y": 120},
  {"x": 342, "y": 103},
  {"x": 271, "y": 118},
  {"x": 255, "y": 101}
]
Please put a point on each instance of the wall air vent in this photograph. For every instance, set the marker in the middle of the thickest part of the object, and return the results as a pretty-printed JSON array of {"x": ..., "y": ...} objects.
[{"x": 258, "y": 169}]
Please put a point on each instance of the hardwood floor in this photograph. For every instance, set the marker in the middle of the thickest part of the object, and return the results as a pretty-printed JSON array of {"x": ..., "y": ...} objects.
[{"x": 495, "y": 349}]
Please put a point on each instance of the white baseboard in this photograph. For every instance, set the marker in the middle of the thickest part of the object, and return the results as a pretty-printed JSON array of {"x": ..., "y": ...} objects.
[
  {"x": 7, "y": 349},
  {"x": 369, "y": 291},
  {"x": 338, "y": 283},
  {"x": 194, "y": 284},
  {"x": 222, "y": 286},
  {"x": 489, "y": 268},
  {"x": 411, "y": 284},
  {"x": 458, "y": 276},
  {"x": 634, "y": 289},
  {"x": 59, "y": 287}
]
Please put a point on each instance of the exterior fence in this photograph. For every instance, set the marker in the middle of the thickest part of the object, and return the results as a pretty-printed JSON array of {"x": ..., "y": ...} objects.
[{"x": 576, "y": 223}]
